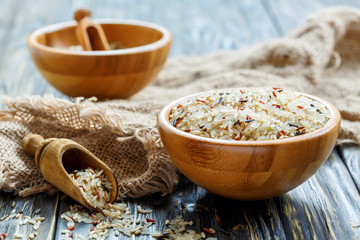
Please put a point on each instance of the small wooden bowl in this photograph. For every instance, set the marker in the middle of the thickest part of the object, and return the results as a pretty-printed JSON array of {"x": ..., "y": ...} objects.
[
  {"x": 104, "y": 74},
  {"x": 248, "y": 170}
]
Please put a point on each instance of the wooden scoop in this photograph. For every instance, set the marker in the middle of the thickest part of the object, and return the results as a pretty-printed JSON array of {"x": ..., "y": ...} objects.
[
  {"x": 56, "y": 158},
  {"x": 90, "y": 35}
]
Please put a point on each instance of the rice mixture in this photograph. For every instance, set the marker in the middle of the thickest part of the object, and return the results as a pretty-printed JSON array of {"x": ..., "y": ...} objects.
[
  {"x": 94, "y": 186},
  {"x": 117, "y": 216},
  {"x": 249, "y": 114}
]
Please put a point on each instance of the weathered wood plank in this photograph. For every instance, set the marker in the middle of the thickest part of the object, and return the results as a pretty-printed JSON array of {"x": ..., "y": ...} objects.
[
  {"x": 287, "y": 15},
  {"x": 48, "y": 209},
  {"x": 198, "y": 27},
  {"x": 324, "y": 207},
  {"x": 321, "y": 208},
  {"x": 294, "y": 214},
  {"x": 350, "y": 154},
  {"x": 18, "y": 75}
]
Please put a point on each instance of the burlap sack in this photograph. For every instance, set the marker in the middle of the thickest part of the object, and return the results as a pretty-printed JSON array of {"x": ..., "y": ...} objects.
[{"x": 321, "y": 58}]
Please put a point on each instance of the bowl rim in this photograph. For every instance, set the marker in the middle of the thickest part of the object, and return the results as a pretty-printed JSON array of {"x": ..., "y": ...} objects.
[
  {"x": 166, "y": 37},
  {"x": 162, "y": 121}
]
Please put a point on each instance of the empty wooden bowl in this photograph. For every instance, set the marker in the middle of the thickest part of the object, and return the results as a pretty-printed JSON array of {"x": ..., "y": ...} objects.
[
  {"x": 105, "y": 74},
  {"x": 248, "y": 170}
]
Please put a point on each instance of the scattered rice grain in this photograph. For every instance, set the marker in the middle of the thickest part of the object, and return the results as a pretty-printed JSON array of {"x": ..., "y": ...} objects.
[
  {"x": 18, "y": 235},
  {"x": 156, "y": 234},
  {"x": 117, "y": 216},
  {"x": 144, "y": 211}
]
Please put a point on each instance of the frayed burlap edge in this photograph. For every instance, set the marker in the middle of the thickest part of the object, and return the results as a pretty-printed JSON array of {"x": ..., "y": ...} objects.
[{"x": 161, "y": 175}]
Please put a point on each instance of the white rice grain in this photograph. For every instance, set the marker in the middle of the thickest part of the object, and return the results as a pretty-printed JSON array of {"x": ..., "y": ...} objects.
[{"x": 144, "y": 211}]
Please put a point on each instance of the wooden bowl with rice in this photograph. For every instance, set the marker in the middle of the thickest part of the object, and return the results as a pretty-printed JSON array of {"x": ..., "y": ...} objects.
[
  {"x": 140, "y": 51},
  {"x": 248, "y": 145}
]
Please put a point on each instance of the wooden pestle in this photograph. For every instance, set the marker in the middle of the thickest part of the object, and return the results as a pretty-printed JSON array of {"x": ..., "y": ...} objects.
[
  {"x": 90, "y": 35},
  {"x": 56, "y": 158}
]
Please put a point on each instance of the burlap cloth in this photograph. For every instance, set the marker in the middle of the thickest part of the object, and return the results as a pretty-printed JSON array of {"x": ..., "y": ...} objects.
[{"x": 322, "y": 57}]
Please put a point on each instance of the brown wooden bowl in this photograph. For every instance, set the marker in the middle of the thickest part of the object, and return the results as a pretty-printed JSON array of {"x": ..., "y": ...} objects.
[
  {"x": 104, "y": 74},
  {"x": 248, "y": 170}
]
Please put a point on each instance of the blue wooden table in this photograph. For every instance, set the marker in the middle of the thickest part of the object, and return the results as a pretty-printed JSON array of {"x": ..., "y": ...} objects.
[{"x": 324, "y": 207}]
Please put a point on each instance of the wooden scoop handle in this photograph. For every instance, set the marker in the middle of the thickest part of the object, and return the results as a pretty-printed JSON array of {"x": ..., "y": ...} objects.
[
  {"x": 90, "y": 34},
  {"x": 31, "y": 143},
  {"x": 56, "y": 157}
]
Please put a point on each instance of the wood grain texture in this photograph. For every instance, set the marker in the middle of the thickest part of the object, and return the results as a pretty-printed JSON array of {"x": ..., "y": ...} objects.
[
  {"x": 194, "y": 26},
  {"x": 350, "y": 154},
  {"x": 90, "y": 34},
  {"x": 103, "y": 74},
  {"x": 198, "y": 27},
  {"x": 56, "y": 158},
  {"x": 286, "y": 15},
  {"x": 324, "y": 207},
  {"x": 248, "y": 170},
  {"x": 48, "y": 206}
]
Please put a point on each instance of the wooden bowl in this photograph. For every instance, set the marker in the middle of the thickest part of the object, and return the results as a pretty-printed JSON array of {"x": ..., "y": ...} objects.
[
  {"x": 104, "y": 74},
  {"x": 248, "y": 170}
]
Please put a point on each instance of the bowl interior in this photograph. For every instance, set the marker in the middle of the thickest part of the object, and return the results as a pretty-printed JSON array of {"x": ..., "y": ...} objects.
[
  {"x": 334, "y": 120},
  {"x": 128, "y": 35}
]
